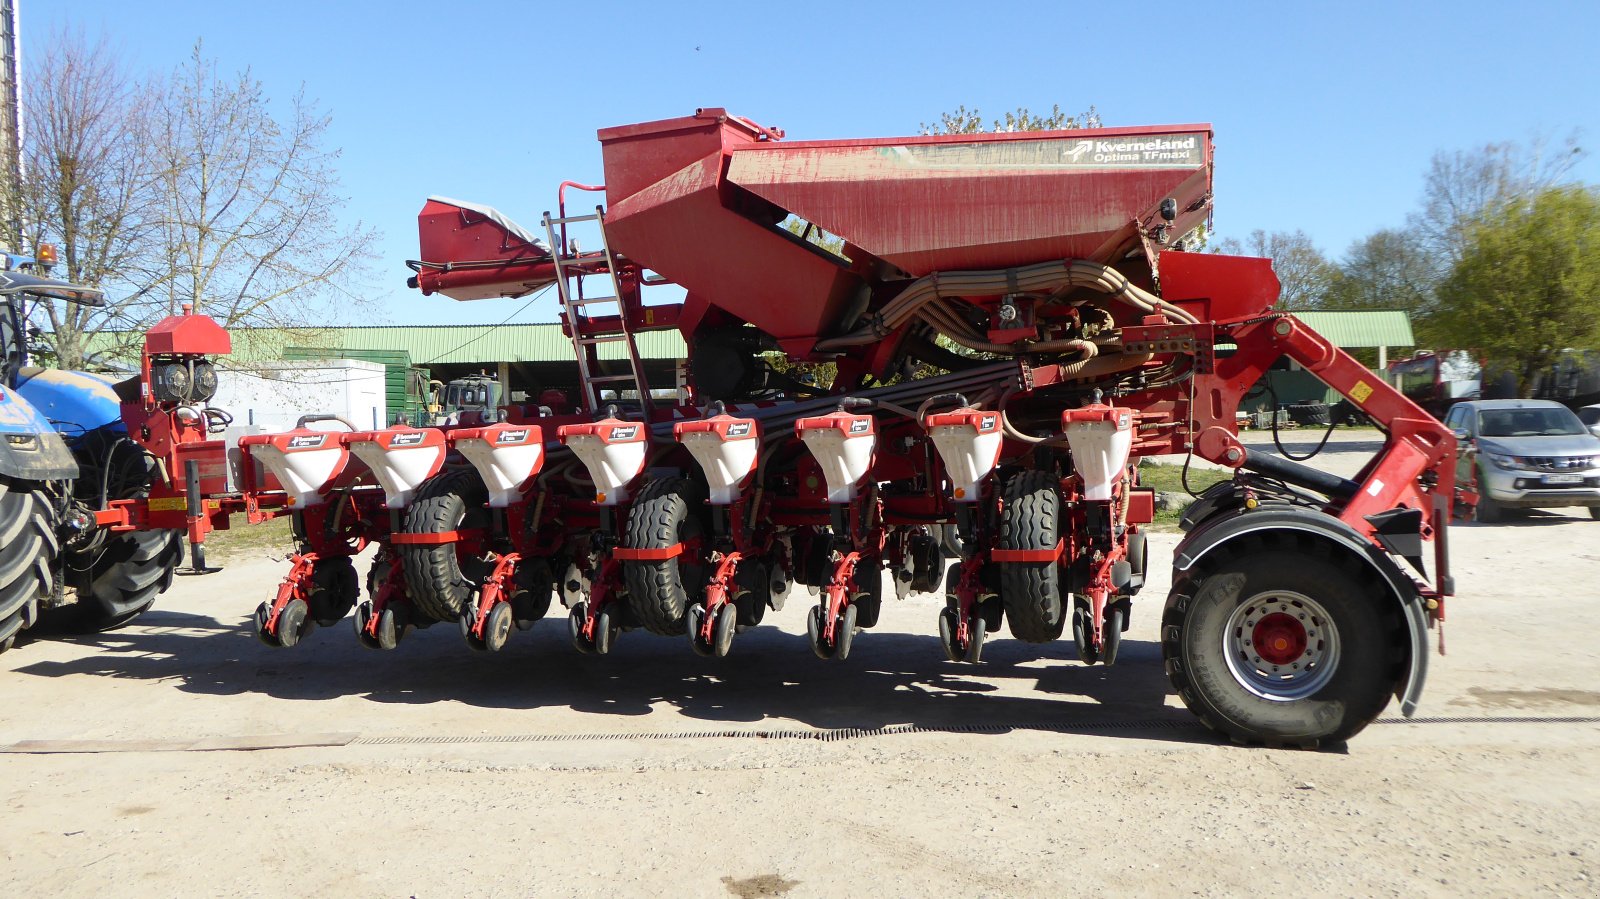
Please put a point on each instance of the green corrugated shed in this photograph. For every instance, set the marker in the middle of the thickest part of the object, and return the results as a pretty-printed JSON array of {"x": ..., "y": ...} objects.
[{"x": 1364, "y": 329}]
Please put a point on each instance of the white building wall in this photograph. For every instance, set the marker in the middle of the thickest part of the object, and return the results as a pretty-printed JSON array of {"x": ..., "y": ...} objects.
[{"x": 273, "y": 395}]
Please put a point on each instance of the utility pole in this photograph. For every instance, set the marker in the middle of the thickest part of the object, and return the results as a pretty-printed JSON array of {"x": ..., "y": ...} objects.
[{"x": 10, "y": 126}]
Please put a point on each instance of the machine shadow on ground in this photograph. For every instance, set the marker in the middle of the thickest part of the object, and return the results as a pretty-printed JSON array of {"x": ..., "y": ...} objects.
[{"x": 771, "y": 677}]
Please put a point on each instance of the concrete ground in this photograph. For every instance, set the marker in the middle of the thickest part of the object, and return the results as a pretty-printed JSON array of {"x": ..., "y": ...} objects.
[{"x": 433, "y": 771}]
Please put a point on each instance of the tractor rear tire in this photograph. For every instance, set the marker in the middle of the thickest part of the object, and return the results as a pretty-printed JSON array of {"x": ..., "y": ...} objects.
[
  {"x": 666, "y": 512},
  {"x": 27, "y": 554},
  {"x": 1349, "y": 644},
  {"x": 1030, "y": 519},
  {"x": 120, "y": 578},
  {"x": 438, "y": 581},
  {"x": 119, "y": 581}
]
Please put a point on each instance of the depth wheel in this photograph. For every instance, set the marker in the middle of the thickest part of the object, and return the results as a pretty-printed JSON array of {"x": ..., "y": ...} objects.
[
  {"x": 755, "y": 593},
  {"x": 693, "y": 622},
  {"x": 1278, "y": 641},
  {"x": 497, "y": 627},
  {"x": 1116, "y": 620},
  {"x": 868, "y": 599},
  {"x": 292, "y": 623},
  {"x": 605, "y": 631},
  {"x": 666, "y": 513},
  {"x": 1083, "y": 632},
  {"x": 722, "y": 631},
  {"x": 1030, "y": 519},
  {"x": 576, "y": 619},
  {"x": 814, "y": 624},
  {"x": 362, "y": 619},
  {"x": 844, "y": 634}
]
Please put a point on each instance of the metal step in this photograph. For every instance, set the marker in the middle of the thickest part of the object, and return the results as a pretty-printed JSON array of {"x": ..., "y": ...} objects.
[
  {"x": 590, "y": 300},
  {"x": 555, "y": 220},
  {"x": 608, "y": 338},
  {"x": 612, "y": 379}
]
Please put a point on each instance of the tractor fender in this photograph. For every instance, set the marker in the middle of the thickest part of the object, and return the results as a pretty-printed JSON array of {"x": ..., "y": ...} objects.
[
  {"x": 74, "y": 402},
  {"x": 30, "y": 448},
  {"x": 1221, "y": 529}
]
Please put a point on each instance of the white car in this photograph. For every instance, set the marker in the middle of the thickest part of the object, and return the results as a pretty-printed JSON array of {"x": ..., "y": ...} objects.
[{"x": 1590, "y": 416}]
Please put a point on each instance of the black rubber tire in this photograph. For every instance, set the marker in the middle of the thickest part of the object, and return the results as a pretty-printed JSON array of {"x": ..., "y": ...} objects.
[
  {"x": 1487, "y": 511},
  {"x": 1371, "y": 639},
  {"x": 27, "y": 555},
  {"x": 532, "y": 592},
  {"x": 1030, "y": 518},
  {"x": 667, "y": 511},
  {"x": 438, "y": 582},
  {"x": 121, "y": 577},
  {"x": 335, "y": 587},
  {"x": 868, "y": 602},
  {"x": 754, "y": 581}
]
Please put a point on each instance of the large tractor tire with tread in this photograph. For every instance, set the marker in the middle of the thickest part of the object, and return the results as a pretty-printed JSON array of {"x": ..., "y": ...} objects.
[
  {"x": 438, "y": 581},
  {"x": 1277, "y": 640},
  {"x": 120, "y": 576},
  {"x": 27, "y": 552},
  {"x": 1030, "y": 518},
  {"x": 667, "y": 511},
  {"x": 120, "y": 580}
]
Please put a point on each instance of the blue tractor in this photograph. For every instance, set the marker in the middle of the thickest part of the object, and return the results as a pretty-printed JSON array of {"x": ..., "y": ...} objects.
[{"x": 65, "y": 454}]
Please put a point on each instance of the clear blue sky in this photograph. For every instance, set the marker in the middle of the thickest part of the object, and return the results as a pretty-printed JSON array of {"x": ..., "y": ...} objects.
[{"x": 1325, "y": 114}]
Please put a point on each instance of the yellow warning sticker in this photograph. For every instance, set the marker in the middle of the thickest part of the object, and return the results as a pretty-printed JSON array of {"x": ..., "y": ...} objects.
[
  {"x": 1361, "y": 391},
  {"x": 168, "y": 504}
]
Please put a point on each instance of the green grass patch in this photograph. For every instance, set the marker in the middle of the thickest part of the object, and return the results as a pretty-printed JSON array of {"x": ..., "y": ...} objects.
[
  {"x": 242, "y": 541},
  {"x": 1169, "y": 479}
]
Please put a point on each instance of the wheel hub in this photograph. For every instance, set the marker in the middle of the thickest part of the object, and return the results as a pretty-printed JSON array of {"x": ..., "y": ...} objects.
[
  {"x": 1279, "y": 638},
  {"x": 1281, "y": 645}
]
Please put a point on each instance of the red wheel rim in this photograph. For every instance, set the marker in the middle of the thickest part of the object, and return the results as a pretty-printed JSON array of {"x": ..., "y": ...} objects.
[{"x": 1279, "y": 638}]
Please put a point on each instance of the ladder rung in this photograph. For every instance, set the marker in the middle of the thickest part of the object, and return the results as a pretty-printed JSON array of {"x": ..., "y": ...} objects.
[
  {"x": 610, "y": 379},
  {"x": 608, "y": 338},
  {"x": 590, "y": 300},
  {"x": 591, "y": 217}
]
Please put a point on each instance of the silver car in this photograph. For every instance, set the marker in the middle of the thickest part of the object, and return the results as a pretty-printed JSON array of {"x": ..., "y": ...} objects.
[
  {"x": 1590, "y": 416},
  {"x": 1525, "y": 454}
]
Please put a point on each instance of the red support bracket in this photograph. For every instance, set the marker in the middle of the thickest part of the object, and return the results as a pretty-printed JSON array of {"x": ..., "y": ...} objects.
[
  {"x": 659, "y": 554},
  {"x": 495, "y": 590}
]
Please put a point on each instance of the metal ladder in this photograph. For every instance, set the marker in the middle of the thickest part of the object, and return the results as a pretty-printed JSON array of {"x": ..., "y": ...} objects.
[{"x": 578, "y": 310}]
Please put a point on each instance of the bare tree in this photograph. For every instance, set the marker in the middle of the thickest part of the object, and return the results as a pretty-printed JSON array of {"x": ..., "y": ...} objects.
[
  {"x": 1304, "y": 273},
  {"x": 1463, "y": 186},
  {"x": 178, "y": 190},
  {"x": 87, "y": 186},
  {"x": 250, "y": 230},
  {"x": 964, "y": 121}
]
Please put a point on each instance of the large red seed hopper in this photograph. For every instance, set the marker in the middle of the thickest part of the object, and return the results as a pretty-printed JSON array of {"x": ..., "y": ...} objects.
[{"x": 917, "y": 364}]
